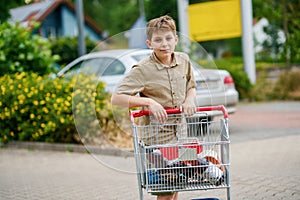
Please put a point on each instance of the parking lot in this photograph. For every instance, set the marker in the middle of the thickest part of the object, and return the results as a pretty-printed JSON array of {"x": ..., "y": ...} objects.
[{"x": 264, "y": 164}]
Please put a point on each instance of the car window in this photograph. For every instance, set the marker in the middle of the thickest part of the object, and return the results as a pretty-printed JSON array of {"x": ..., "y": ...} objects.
[
  {"x": 104, "y": 66},
  {"x": 115, "y": 67},
  {"x": 91, "y": 66}
]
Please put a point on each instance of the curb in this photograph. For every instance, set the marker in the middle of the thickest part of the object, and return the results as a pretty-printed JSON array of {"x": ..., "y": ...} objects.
[{"x": 78, "y": 148}]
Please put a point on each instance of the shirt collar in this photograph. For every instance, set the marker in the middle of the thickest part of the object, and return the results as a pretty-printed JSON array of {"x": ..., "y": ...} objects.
[{"x": 161, "y": 66}]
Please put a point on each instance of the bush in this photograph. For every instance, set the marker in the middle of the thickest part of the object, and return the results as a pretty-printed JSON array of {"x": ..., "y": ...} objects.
[
  {"x": 20, "y": 51},
  {"x": 262, "y": 90},
  {"x": 36, "y": 108},
  {"x": 67, "y": 48},
  {"x": 288, "y": 86},
  {"x": 235, "y": 67}
]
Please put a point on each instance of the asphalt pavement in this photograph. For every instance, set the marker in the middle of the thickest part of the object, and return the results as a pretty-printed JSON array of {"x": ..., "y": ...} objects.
[{"x": 264, "y": 155}]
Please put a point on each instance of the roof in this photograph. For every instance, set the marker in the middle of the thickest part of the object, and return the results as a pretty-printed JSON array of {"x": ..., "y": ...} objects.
[{"x": 39, "y": 11}]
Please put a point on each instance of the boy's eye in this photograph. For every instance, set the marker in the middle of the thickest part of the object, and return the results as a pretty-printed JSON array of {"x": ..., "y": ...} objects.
[
  {"x": 169, "y": 38},
  {"x": 157, "y": 40}
]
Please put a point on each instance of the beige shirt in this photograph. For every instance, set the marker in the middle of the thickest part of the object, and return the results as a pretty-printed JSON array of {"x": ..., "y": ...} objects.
[{"x": 166, "y": 85}]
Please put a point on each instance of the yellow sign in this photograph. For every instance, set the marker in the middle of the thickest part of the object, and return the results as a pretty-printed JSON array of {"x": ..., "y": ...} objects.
[{"x": 215, "y": 20}]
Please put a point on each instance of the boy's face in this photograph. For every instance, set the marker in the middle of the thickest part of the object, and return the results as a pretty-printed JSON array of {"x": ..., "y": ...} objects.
[{"x": 163, "y": 43}]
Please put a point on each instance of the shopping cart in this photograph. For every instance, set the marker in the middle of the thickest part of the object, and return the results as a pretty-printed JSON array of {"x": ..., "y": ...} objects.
[{"x": 197, "y": 159}]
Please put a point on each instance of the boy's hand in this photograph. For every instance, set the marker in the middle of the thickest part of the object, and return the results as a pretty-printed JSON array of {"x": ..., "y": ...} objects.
[
  {"x": 189, "y": 108},
  {"x": 158, "y": 111}
]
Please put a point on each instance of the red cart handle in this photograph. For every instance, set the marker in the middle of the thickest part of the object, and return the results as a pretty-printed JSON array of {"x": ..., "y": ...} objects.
[{"x": 139, "y": 113}]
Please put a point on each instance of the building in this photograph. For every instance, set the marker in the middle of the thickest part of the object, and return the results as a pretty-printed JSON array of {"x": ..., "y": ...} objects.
[{"x": 57, "y": 18}]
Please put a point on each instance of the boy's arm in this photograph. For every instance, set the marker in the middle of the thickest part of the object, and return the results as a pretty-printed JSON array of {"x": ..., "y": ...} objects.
[
  {"x": 129, "y": 101},
  {"x": 188, "y": 106}
]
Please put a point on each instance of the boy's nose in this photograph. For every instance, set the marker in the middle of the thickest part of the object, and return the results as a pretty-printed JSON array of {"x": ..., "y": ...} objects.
[{"x": 164, "y": 43}]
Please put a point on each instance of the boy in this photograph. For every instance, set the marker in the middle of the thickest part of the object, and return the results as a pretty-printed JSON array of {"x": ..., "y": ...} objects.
[{"x": 163, "y": 80}]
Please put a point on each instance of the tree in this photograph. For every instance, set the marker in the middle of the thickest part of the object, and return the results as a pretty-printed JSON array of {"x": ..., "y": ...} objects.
[
  {"x": 154, "y": 8},
  {"x": 5, "y": 7},
  {"x": 282, "y": 15},
  {"x": 114, "y": 16}
]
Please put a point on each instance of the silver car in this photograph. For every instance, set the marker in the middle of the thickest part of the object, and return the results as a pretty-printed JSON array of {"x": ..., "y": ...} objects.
[{"x": 214, "y": 87}]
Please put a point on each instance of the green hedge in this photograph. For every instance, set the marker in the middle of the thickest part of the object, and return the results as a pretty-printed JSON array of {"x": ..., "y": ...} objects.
[
  {"x": 37, "y": 108},
  {"x": 20, "y": 51},
  {"x": 67, "y": 48},
  {"x": 235, "y": 67}
]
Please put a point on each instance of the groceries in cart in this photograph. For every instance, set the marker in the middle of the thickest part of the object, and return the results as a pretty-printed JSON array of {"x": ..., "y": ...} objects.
[
  {"x": 183, "y": 164},
  {"x": 198, "y": 158}
]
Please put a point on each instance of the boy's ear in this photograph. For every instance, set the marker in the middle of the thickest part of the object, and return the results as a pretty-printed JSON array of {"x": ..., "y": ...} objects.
[{"x": 148, "y": 44}]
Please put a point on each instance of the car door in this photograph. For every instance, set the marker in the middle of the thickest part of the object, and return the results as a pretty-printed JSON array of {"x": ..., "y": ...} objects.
[{"x": 112, "y": 73}]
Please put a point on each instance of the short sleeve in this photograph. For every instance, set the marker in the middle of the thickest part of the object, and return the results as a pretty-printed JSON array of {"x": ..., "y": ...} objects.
[
  {"x": 132, "y": 83},
  {"x": 190, "y": 78}
]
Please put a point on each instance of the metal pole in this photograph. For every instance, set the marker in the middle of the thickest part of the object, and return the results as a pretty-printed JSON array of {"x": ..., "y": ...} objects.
[
  {"x": 183, "y": 20},
  {"x": 80, "y": 25},
  {"x": 247, "y": 40},
  {"x": 141, "y": 7}
]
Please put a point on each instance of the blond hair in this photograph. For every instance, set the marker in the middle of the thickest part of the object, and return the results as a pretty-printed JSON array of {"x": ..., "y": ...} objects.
[{"x": 165, "y": 23}]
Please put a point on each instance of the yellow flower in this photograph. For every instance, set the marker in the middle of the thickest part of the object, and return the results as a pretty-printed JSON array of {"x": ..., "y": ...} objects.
[
  {"x": 67, "y": 103},
  {"x": 43, "y": 125},
  {"x": 26, "y": 90},
  {"x": 62, "y": 120},
  {"x": 31, "y": 116},
  {"x": 11, "y": 87},
  {"x": 42, "y": 102},
  {"x": 7, "y": 114},
  {"x": 21, "y": 97},
  {"x": 30, "y": 94},
  {"x": 21, "y": 75},
  {"x": 19, "y": 86},
  {"x": 22, "y": 111},
  {"x": 45, "y": 110},
  {"x": 12, "y": 134},
  {"x": 35, "y": 102},
  {"x": 0, "y": 103}
]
